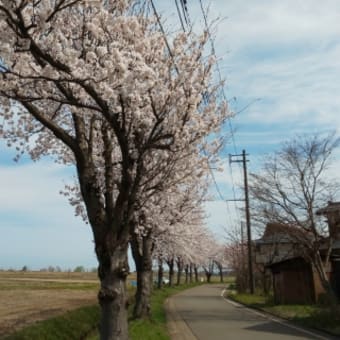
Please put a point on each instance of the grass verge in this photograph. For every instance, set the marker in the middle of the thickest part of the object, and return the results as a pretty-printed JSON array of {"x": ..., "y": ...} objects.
[
  {"x": 75, "y": 324},
  {"x": 82, "y": 323},
  {"x": 313, "y": 316},
  {"x": 155, "y": 328}
]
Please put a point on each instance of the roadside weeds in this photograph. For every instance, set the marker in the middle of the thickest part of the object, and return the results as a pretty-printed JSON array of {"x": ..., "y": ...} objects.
[{"x": 314, "y": 317}]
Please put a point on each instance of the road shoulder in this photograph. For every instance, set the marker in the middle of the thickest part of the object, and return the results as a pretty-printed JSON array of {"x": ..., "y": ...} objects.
[{"x": 178, "y": 329}]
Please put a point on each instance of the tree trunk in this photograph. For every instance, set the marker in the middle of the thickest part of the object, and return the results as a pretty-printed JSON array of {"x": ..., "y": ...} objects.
[
  {"x": 321, "y": 270},
  {"x": 186, "y": 274},
  {"x": 179, "y": 271},
  {"x": 190, "y": 273},
  {"x": 171, "y": 272},
  {"x": 112, "y": 271},
  {"x": 266, "y": 281},
  {"x": 220, "y": 269},
  {"x": 196, "y": 273},
  {"x": 142, "y": 254},
  {"x": 160, "y": 274}
]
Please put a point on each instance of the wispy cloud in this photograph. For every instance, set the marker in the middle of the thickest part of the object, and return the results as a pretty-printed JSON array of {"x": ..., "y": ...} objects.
[
  {"x": 285, "y": 52},
  {"x": 31, "y": 187},
  {"x": 37, "y": 225}
]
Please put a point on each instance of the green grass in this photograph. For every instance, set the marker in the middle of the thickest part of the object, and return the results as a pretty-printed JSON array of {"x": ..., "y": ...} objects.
[
  {"x": 254, "y": 300},
  {"x": 313, "y": 316},
  {"x": 75, "y": 324},
  {"x": 156, "y": 328},
  {"x": 82, "y": 323}
]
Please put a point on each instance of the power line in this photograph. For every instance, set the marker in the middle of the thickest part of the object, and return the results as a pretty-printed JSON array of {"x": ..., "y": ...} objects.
[
  {"x": 186, "y": 17},
  {"x": 164, "y": 35},
  {"x": 220, "y": 194},
  {"x": 185, "y": 11},
  {"x": 213, "y": 50},
  {"x": 180, "y": 15}
]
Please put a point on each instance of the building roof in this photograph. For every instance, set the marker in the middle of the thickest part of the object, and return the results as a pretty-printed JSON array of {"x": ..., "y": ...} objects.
[
  {"x": 331, "y": 207},
  {"x": 282, "y": 233},
  {"x": 277, "y": 238}
]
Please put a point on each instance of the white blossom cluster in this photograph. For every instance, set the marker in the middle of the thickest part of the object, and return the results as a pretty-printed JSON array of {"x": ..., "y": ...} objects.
[{"x": 94, "y": 84}]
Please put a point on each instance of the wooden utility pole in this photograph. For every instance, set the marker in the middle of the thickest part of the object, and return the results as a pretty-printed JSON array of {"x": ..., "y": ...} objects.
[{"x": 246, "y": 199}]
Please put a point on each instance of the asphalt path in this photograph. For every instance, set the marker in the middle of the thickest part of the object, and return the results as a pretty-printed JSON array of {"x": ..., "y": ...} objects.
[{"x": 203, "y": 313}]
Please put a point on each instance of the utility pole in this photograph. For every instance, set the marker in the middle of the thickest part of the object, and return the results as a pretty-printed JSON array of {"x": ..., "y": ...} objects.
[{"x": 246, "y": 199}]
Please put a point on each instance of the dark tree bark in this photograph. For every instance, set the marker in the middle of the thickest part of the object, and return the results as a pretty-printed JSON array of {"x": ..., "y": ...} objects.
[
  {"x": 160, "y": 274},
  {"x": 110, "y": 226},
  {"x": 179, "y": 271},
  {"x": 186, "y": 269},
  {"x": 112, "y": 271},
  {"x": 190, "y": 273},
  {"x": 170, "y": 264},
  {"x": 209, "y": 270},
  {"x": 220, "y": 270},
  {"x": 196, "y": 273},
  {"x": 320, "y": 268},
  {"x": 141, "y": 247}
]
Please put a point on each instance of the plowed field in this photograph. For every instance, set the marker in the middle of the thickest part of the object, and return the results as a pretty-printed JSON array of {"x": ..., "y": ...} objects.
[{"x": 26, "y": 297}]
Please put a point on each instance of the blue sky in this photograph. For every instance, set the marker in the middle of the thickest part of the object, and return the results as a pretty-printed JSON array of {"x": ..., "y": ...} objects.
[{"x": 281, "y": 56}]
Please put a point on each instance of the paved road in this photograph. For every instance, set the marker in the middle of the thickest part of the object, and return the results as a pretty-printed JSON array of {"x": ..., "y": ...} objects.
[{"x": 208, "y": 316}]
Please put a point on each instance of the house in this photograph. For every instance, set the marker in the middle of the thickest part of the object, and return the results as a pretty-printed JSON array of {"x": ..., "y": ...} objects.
[
  {"x": 294, "y": 282},
  {"x": 277, "y": 244},
  {"x": 282, "y": 251}
]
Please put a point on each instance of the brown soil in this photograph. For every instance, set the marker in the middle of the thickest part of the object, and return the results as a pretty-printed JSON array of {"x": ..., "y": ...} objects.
[{"x": 25, "y": 300}]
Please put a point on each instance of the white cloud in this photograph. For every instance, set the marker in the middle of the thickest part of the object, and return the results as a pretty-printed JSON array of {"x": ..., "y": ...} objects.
[
  {"x": 38, "y": 227},
  {"x": 31, "y": 187},
  {"x": 264, "y": 22},
  {"x": 285, "y": 52},
  {"x": 222, "y": 216},
  {"x": 299, "y": 89}
]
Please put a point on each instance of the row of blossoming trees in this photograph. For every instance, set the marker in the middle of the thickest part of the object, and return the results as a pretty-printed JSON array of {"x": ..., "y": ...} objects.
[{"x": 96, "y": 86}]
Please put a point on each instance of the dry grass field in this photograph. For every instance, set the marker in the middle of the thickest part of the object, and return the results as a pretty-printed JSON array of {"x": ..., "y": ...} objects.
[{"x": 27, "y": 297}]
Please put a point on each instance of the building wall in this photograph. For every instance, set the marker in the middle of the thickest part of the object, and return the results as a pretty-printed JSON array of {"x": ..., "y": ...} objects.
[
  {"x": 335, "y": 278},
  {"x": 270, "y": 253},
  {"x": 318, "y": 288},
  {"x": 293, "y": 282}
]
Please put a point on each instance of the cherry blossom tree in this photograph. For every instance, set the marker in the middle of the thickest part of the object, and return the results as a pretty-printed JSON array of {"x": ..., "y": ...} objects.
[
  {"x": 205, "y": 246},
  {"x": 236, "y": 254},
  {"x": 221, "y": 259},
  {"x": 94, "y": 84},
  {"x": 208, "y": 263},
  {"x": 173, "y": 209},
  {"x": 178, "y": 244}
]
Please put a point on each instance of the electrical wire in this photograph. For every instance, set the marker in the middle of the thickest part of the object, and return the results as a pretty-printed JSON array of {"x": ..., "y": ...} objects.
[
  {"x": 186, "y": 16},
  {"x": 213, "y": 51},
  {"x": 164, "y": 35},
  {"x": 180, "y": 15},
  {"x": 185, "y": 11}
]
